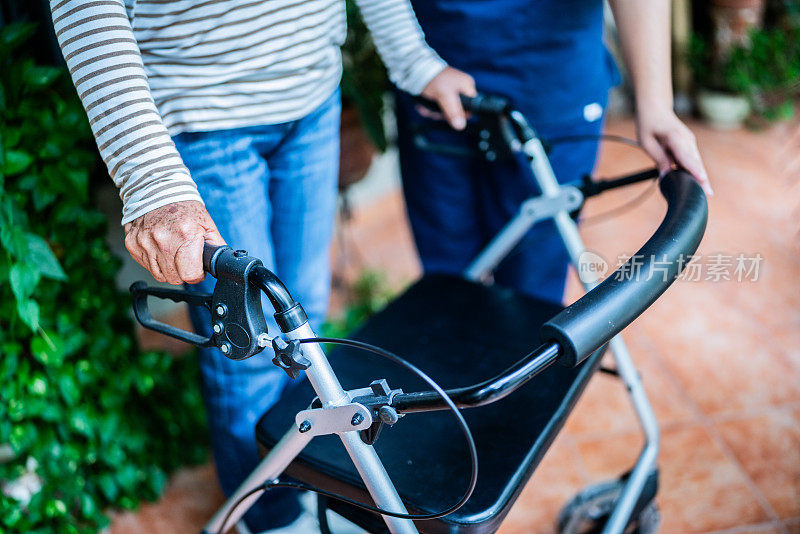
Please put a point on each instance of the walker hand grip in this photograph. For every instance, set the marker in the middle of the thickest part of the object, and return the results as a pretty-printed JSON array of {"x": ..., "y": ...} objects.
[
  {"x": 237, "y": 317},
  {"x": 606, "y": 310},
  {"x": 486, "y": 104},
  {"x": 480, "y": 105},
  {"x": 210, "y": 255}
]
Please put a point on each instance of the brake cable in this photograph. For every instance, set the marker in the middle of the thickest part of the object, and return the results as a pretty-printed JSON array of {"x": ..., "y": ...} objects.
[
  {"x": 614, "y": 138},
  {"x": 473, "y": 451}
]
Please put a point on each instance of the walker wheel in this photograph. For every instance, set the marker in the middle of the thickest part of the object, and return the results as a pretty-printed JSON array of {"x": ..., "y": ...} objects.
[{"x": 588, "y": 511}]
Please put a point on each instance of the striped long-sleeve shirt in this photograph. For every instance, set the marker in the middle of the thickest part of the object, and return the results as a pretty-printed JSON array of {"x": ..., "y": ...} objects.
[{"x": 149, "y": 69}]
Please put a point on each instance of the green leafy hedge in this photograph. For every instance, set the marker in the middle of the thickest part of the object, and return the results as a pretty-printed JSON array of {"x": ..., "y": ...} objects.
[
  {"x": 766, "y": 70},
  {"x": 87, "y": 420}
]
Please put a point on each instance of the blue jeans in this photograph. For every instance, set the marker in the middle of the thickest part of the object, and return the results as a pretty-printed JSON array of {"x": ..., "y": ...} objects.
[
  {"x": 456, "y": 205},
  {"x": 271, "y": 190}
]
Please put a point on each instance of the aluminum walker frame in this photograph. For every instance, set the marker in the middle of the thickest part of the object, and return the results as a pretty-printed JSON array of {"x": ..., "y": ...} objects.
[{"x": 596, "y": 319}]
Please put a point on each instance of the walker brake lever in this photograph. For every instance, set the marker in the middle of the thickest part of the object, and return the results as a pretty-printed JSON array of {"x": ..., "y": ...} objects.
[
  {"x": 489, "y": 129},
  {"x": 423, "y": 142},
  {"x": 487, "y": 136},
  {"x": 238, "y": 324},
  {"x": 141, "y": 291}
]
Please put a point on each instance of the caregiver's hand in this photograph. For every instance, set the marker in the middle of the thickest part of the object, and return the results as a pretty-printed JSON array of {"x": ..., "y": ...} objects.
[
  {"x": 446, "y": 89},
  {"x": 168, "y": 241},
  {"x": 671, "y": 143}
]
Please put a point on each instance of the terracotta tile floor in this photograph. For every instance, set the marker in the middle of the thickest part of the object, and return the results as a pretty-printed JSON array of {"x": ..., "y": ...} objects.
[{"x": 720, "y": 360}]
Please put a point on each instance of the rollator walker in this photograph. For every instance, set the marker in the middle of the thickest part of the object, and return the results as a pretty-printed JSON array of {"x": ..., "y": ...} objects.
[{"x": 507, "y": 370}]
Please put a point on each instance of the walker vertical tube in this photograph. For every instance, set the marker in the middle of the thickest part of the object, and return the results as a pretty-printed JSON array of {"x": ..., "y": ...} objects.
[
  {"x": 568, "y": 229},
  {"x": 647, "y": 459},
  {"x": 290, "y": 445},
  {"x": 364, "y": 457}
]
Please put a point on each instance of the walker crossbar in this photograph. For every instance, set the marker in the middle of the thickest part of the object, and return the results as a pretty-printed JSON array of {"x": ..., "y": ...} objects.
[{"x": 603, "y": 312}]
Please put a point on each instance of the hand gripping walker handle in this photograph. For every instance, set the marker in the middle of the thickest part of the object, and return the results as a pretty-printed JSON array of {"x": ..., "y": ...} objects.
[
  {"x": 237, "y": 318},
  {"x": 210, "y": 255},
  {"x": 480, "y": 104}
]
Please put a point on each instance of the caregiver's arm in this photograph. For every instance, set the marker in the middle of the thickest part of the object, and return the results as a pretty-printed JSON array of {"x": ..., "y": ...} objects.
[
  {"x": 644, "y": 33},
  {"x": 413, "y": 66}
]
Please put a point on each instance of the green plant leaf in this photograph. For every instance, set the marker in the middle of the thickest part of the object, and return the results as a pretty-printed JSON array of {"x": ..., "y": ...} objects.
[
  {"x": 109, "y": 488},
  {"x": 28, "y": 311},
  {"x": 11, "y": 138},
  {"x": 48, "y": 349},
  {"x": 23, "y": 278},
  {"x": 81, "y": 423},
  {"x": 13, "y": 239},
  {"x": 42, "y": 199},
  {"x": 16, "y": 161},
  {"x": 88, "y": 506},
  {"x": 15, "y": 34},
  {"x": 22, "y": 437},
  {"x": 69, "y": 389},
  {"x": 41, "y": 76},
  {"x": 42, "y": 256}
]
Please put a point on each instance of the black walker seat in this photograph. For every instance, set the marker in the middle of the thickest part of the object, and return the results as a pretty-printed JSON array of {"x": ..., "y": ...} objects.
[{"x": 460, "y": 333}]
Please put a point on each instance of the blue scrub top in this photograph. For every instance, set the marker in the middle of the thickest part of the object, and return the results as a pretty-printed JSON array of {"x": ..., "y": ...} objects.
[{"x": 547, "y": 56}]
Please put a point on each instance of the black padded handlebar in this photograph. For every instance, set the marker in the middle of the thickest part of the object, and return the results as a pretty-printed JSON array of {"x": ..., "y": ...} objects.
[{"x": 606, "y": 310}]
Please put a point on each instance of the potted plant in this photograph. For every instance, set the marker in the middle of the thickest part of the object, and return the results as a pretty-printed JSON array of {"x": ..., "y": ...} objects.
[
  {"x": 364, "y": 86},
  {"x": 748, "y": 70},
  {"x": 732, "y": 22},
  {"x": 767, "y": 72}
]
